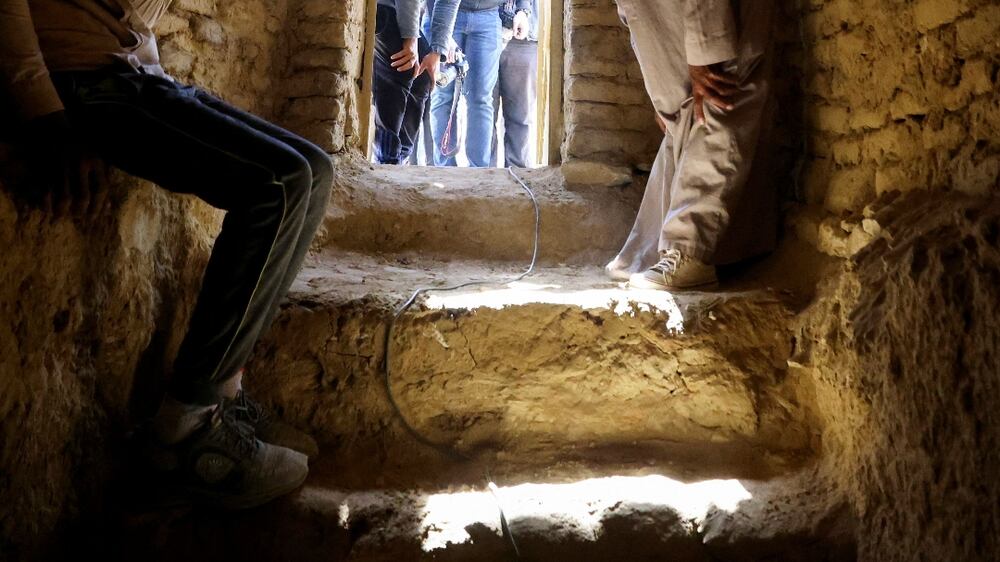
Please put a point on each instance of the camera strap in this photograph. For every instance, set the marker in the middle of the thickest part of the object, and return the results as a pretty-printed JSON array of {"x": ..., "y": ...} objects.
[{"x": 448, "y": 147}]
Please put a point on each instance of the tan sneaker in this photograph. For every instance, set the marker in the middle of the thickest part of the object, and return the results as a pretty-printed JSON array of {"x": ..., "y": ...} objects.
[{"x": 675, "y": 271}]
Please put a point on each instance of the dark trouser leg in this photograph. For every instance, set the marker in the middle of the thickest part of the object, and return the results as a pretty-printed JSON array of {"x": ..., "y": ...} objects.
[
  {"x": 319, "y": 195},
  {"x": 391, "y": 91},
  {"x": 166, "y": 133},
  {"x": 419, "y": 94}
]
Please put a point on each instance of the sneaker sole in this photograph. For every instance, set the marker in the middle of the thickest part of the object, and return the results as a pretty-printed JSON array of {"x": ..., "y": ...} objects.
[
  {"x": 660, "y": 287},
  {"x": 230, "y": 502}
]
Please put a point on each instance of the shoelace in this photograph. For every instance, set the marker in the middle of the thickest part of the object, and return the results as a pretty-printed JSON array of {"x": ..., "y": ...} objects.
[
  {"x": 252, "y": 410},
  {"x": 237, "y": 432},
  {"x": 668, "y": 262}
]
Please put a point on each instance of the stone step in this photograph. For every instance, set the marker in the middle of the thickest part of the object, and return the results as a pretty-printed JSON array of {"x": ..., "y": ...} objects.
[
  {"x": 479, "y": 214},
  {"x": 562, "y": 366},
  {"x": 635, "y": 518}
]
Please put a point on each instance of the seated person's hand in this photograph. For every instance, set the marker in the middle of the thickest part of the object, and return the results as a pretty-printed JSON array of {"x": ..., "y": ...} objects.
[
  {"x": 521, "y": 25},
  {"x": 430, "y": 66},
  {"x": 713, "y": 85},
  {"x": 73, "y": 178},
  {"x": 408, "y": 58}
]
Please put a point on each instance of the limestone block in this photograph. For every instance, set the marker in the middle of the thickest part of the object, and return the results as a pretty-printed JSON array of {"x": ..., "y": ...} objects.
[
  {"x": 904, "y": 177},
  {"x": 203, "y": 7},
  {"x": 171, "y": 23},
  {"x": 323, "y": 59},
  {"x": 980, "y": 32},
  {"x": 176, "y": 60},
  {"x": 318, "y": 108},
  {"x": 830, "y": 118},
  {"x": 929, "y": 14},
  {"x": 850, "y": 189},
  {"x": 581, "y": 88},
  {"x": 582, "y": 172},
  {"x": 949, "y": 135},
  {"x": 209, "y": 31}
]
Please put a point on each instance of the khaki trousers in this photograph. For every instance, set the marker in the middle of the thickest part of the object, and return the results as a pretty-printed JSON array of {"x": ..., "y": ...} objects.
[{"x": 709, "y": 192}]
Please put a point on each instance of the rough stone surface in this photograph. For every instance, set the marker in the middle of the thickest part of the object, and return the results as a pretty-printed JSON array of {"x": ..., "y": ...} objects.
[
  {"x": 446, "y": 213},
  {"x": 492, "y": 368},
  {"x": 893, "y": 96},
  {"x": 635, "y": 517},
  {"x": 902, "y": 347}
]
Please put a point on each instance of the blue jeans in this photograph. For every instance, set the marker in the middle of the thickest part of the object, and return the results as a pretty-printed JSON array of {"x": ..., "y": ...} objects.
[{"x": 478, "y": 35}]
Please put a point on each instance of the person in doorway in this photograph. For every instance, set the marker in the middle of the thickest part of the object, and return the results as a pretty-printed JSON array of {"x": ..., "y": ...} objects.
[
  {"x": 404, "y": 71},
  {"x": 707, "y": 69},
  {"x": 516, "y": 89},
  {"x": 85, "y": 79},
  {"x": 478, "y": 35}
]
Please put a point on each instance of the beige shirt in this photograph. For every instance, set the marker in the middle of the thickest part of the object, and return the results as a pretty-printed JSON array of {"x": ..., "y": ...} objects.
[{"x": 38, "y": 36}]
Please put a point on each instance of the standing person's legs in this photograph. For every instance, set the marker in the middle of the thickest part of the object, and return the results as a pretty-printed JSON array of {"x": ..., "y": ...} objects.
[
  {"x": 390, "y": 89},
  {"x": 443, "y": 98},
  {"x": 711, "y": 160},
  {"x": 518, "y": 79},
  {"x": 417, "y": 98},
  {"x": 482, "y": 47},
  {"x": 642, "y": 248}
]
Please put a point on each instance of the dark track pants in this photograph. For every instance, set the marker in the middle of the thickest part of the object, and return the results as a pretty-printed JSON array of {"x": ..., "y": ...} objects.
[{"x": 273, "y": 184}]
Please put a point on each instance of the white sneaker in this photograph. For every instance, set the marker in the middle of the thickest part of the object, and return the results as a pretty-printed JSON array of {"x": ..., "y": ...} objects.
[
  {"x": 615, "y": 273},
  {"x": 674, "y": 271}
]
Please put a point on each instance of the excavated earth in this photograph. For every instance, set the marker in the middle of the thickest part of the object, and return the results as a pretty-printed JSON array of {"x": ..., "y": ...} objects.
[{"x": 603, "y": 423}]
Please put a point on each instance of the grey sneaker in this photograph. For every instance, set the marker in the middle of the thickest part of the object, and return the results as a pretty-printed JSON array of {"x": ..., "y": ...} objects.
[
  {"x": 270, "y": 429},
  {"x": 675, "y": 271},
  {"x": 224, "y": 465}
]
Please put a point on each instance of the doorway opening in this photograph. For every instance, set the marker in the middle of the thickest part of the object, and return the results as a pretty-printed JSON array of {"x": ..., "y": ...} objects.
[{"x": 538, "y": 147}]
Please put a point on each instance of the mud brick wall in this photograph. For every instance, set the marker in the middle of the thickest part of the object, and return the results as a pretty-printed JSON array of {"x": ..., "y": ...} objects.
[
  {"x": 899, "y": 96},
  {"x": 608, "y": 115},
  {"x": 322, "y": 82}
]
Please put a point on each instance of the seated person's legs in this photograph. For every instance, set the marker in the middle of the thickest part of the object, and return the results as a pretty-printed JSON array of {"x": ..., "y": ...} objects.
[{"x": 192, "y": 143}]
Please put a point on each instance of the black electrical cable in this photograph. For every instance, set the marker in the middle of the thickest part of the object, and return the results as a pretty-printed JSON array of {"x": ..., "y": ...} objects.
[{"x": 444, "y": 448}]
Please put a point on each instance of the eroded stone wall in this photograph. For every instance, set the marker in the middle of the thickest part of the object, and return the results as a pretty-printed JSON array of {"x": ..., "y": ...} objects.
[
  {"x": 93, "y": 310},
  {"x": 903, "y": 348}
]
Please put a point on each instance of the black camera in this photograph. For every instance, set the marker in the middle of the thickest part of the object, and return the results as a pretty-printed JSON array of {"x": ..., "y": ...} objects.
[{"x": 449, "y": 71}]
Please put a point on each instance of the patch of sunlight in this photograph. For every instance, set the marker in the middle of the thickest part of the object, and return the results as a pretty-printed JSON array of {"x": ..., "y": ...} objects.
[
  {"x": 579, "y": 505},
  {"x": 619, "y": 300}
]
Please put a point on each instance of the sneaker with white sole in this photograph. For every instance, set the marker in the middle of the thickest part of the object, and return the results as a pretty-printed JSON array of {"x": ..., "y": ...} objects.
[{"x": 675, "y": 271}]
